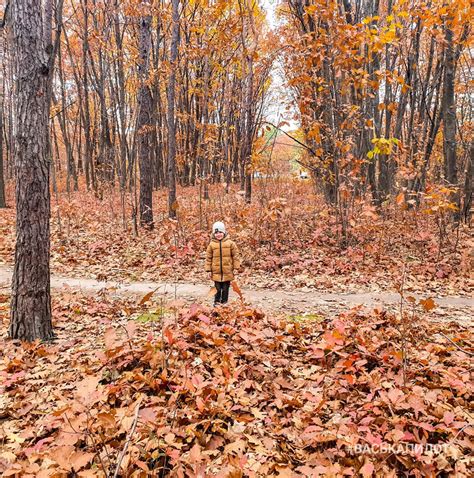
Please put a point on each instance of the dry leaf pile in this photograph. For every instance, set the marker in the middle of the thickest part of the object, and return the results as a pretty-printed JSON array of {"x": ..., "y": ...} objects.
[{"x": 238, "y": 394}]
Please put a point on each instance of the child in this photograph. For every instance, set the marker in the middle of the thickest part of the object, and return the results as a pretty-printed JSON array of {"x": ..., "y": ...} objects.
[{"x": 222, "y": 257}]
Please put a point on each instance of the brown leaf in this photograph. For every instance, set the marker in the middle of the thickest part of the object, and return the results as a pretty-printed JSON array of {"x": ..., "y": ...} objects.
[
  {"x": 147, "y": 414},
  {"x": 110, "y": 338},
  {"x": 236, "y": 289},
  {"x": 195, "y": 454},
  {"x": 79, "y": 460},
  {"x": 148, "y": 296},
  {"x": 86, "y": 388}
]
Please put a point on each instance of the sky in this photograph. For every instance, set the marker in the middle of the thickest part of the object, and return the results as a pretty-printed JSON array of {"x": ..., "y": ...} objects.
[{"x": 270, "y": 6}]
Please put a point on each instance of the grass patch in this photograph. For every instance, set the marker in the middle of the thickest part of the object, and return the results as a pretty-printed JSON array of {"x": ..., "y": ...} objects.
[
  {"x": 306, "y": 318},
  {"x": 150, "y": 317}
]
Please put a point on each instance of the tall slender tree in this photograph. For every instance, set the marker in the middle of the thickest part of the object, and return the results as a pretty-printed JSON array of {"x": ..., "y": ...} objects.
[
  {"x": 172, "y": 205},
  {"x": 449, "y": 106},
  {"x": 3, "y": 202},
  {"x": 2, "y": 111},
  {"x": 145, "y": 103}
]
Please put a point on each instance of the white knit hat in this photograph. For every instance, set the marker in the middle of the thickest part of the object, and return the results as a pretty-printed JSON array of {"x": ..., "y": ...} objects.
[{"x": 218, "y": 227}]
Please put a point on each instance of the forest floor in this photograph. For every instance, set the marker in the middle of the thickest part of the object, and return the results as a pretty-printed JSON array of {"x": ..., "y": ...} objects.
[
  {"x": 289, "y": 239},
  {"x": 145, "y": 388},
  {"x": 321, "y": 369}
]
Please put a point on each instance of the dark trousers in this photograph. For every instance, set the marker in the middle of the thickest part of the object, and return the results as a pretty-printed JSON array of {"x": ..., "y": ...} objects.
[{"x": 222, "y": 295}]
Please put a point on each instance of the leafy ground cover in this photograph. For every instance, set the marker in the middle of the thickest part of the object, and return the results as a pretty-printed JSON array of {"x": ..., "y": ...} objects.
[
  {"x": 137, "y": 389},
  {"x": 288, "y": 237}
]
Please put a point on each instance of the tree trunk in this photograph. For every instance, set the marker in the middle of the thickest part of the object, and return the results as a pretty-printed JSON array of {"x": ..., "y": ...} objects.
[
  {"x": 466, "y": 210},
  {"x": 449, "y": 117},
  {"x": 449, "y": 110},
  {"x": 3, "y": 202},
  {"x": 172, "y": 205},
  {"x": 145, "y": 104},
  {"x": 89, "y": 166},
  {"x": 62, "y": 120},
  {"x": 249, "y": 118},
  {"x": 31, "y": 299}
]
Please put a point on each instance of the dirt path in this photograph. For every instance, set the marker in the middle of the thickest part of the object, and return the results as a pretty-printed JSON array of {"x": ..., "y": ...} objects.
[{"x": 290, "y": 302}]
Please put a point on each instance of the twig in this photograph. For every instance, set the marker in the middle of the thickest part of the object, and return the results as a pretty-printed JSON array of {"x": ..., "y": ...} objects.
[
  {"x": 127, "y": 443},
  {"x": 403, "y": 324},
  {"x": 457, "y": 346},
  {"x": 130, "y": 344},
  {"x": 305, "y": 146}
]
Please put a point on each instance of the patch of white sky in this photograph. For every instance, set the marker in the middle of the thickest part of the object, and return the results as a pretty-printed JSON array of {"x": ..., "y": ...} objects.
[{"x": 279, "y": 97}]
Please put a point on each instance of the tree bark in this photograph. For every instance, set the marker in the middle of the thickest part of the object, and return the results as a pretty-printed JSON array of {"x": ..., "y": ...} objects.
[
  {"x": 467, "y": 206},
  {"x": 449, "y": 110},
  {"x": 172, "y": 205},
  {"x": 31, "y": 299},
  {"x": 145, "y": 104},
  {"x": 3, "y": 202},
  {"x": 449, "y": 117}
]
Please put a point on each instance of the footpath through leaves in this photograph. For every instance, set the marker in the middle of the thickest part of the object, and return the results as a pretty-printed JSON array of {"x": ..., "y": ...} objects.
[{"x": 240, "y": 394}]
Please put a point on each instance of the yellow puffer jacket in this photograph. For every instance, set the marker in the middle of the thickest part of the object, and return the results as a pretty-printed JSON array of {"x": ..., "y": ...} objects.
[{"x": 222, "y": 257}]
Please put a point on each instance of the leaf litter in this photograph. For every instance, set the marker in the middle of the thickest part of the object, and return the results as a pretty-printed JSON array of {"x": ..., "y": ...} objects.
[{"x": 238, "y": 393}]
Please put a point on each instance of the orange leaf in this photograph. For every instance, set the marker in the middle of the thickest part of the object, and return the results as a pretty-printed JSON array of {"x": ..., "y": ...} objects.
[
  {"x": 147, "y": 297},
  {"x": 200, "y": 404},
  {"x": 428, "y": 304},
  {"x": 400, "y": 198},
  {"x": 237, "y": 290},
  {"x": 169, "y": 336}
]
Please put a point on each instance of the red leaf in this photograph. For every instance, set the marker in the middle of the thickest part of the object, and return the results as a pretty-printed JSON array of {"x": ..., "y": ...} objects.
[
  {"x": 169, "y": 336},
  {"x": 204, "y": 318},
  {"x": 448, "y": 417}
]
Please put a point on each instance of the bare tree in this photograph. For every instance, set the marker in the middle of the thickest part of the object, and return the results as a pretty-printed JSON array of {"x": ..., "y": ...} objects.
[
  {"x": 171, "y": 111},
  {"x": 449, "y": 108},
  {"x": 145, "y": 120}
]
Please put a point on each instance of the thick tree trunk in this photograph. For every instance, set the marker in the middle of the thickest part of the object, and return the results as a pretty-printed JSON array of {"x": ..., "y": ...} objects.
[
  {"x": 31, "y": 300},
  {"x": 172, "y": 205},
  {"x": 145, "y": 104}
]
